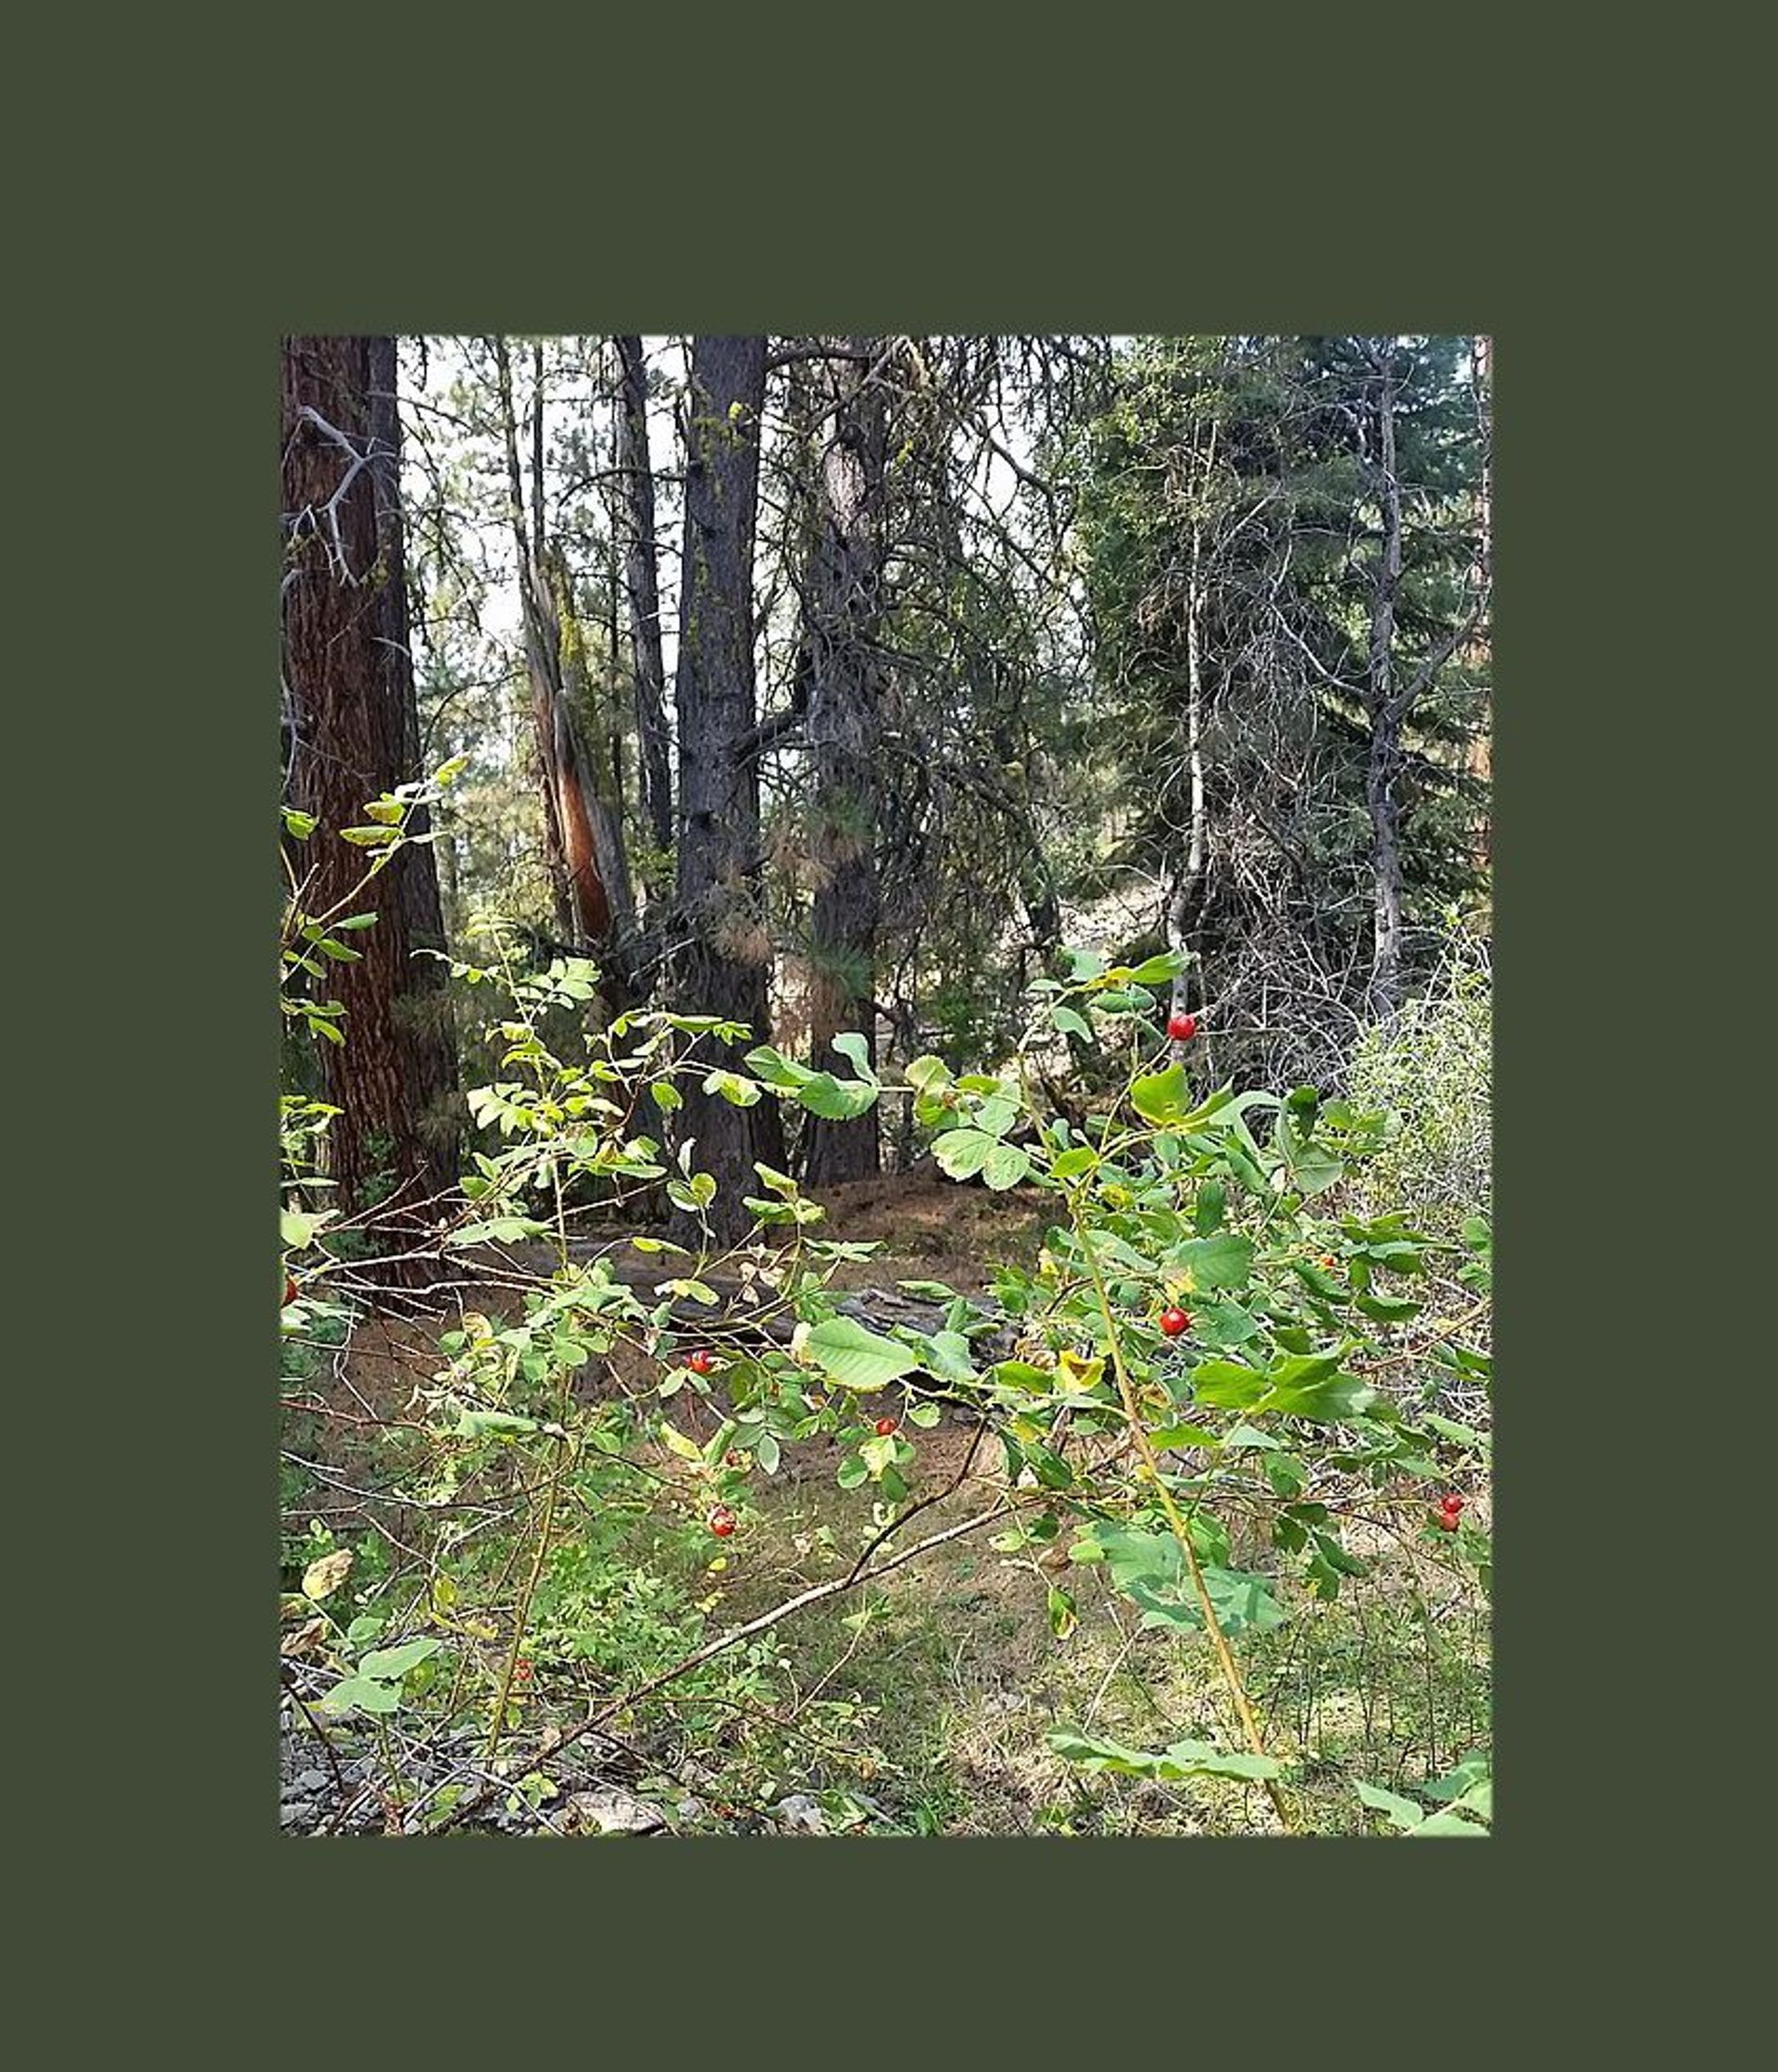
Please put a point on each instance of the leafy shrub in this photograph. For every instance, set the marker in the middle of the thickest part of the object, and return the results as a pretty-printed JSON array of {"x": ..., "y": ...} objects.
[
  {"x": 1191, "y": 1454},
  {"x": 1432, "y": 1066}
]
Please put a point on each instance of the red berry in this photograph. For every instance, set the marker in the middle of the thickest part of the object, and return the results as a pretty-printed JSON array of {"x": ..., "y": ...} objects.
[
  {"x": 722, "y": 1521},
  {"x": 521, "y": 1671},
  {"x": 885, "y": 1426},
  {"x": 1182, "y": 1028},
  {"x": 702, "y": 1361},
  {"x": 1453, "y": 1503},
  {"x": 1174, "y": 1320},
  {"x": 290, "y": 1291},
  {"x": 1446, "y": 1521}
]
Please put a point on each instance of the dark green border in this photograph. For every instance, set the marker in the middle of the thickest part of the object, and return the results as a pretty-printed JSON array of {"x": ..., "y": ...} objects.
[{"x": 1153, "y": 180}]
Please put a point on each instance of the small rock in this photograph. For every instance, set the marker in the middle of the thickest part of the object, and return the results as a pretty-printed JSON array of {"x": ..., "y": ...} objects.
[
  {"x": 605, "y": 1810},
  {"x": 801, "y": 1814}
]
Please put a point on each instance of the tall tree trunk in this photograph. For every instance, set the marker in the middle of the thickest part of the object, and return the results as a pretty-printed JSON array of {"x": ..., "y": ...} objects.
[
  {"x": 1386, "y": 714},
  {"x": 722, "y": 966},
  {"x": 426, "y": 1002},
  {"x": 349, "y": 693},
  {"x": 641, "y": 582},
  {"x": 843, "y": 594}
]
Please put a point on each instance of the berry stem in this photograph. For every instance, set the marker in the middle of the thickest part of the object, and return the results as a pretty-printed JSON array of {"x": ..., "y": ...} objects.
[{"x": 1181, "y": 1532}]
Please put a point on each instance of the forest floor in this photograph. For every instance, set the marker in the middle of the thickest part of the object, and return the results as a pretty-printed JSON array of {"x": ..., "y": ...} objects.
[{"x": 944, "y": 1677}]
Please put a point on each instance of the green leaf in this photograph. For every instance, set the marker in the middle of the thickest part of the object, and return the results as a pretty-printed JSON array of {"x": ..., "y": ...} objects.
[
  {"x": 1069, "y": 1165},
  {"x": 1005, "y": 1166},
  {"x": 491, "y": 1424},
  {"x": 362, "y": 1694},
  {"x": 858, "y": 1359},
  {"x": 1224, "y": 1260},
  {"x": 1150, "y": 1570},
  {"x": 1171, "y": 1435},
  {"x": 1207, "y": 1210},
  {"x": 1074, "y": 1025},
  {"x": 948, "y": 1357},
  {"x": 1404, "y": 1813},
  {"x": 1456, "y": 1783},
  {"x": 390, "y": 1664},
  {"x": 1158, "y": 970},
  {"x": 776, "y": 1070},
  {"x": 1387, "y": 1309},
  {"x": 1311, "y": 1387},
  {"x": 1179, "y": 1761},
  {"x": 996, "y": 1115},
  {"x": 738, "y": 1092},
  {"x": 1225, "y": 1385},
  {"x": 925, "y": 1072},
  {"x": 298, "y": 1230},
  {"x": 1161, "y": 1097},
  {"x": 853, "y": 1046},
  {"x": 962, "y": 1153},
  {"x": 878, "y": 1453},
  {"x": 505, "y": 1230},
  {"x": 1226, "y": 1323},
  {"x": 836, "y": 1100}
]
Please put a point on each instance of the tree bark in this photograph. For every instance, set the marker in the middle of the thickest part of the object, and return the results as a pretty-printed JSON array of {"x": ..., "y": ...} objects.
[
  {"x": 721, "y": 966},
  {"x": 843, "y": 603},
  {"x": 349, "y": 694},
  {"x": 426, "y": 1007},
  {"x": 641, "y": 582}
]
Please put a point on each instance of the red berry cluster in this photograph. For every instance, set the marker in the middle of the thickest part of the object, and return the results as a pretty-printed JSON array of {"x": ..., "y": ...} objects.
[
  {"x": 720, "y": 1521},
  {"x": 1450, "y": 1509},
  {"x": 702, "y": 1361},
  {"x": 1181, "y": 1028},
  {"x": 1174, "y": 1320},
  {"x": 885, "y": 1426}
]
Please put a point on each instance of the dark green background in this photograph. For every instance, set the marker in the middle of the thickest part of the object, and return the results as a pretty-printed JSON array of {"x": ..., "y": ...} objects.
[{"x": 917, "y": 172}]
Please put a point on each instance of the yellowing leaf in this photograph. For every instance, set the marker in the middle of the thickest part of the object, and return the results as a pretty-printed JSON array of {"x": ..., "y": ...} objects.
[
  {"x": 1079, "y": 1374},
  {"x": 322, "y": 1577},
  {"x": 678, "y": 1443}
]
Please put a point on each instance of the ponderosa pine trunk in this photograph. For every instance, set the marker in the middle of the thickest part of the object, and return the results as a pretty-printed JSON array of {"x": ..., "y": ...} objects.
[
  {"x": 721, "y": 966},
  {"x": 841, "y": 661},
  {"x": 426, "y": 1003},
  {"x": 349, "y": 699}
]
